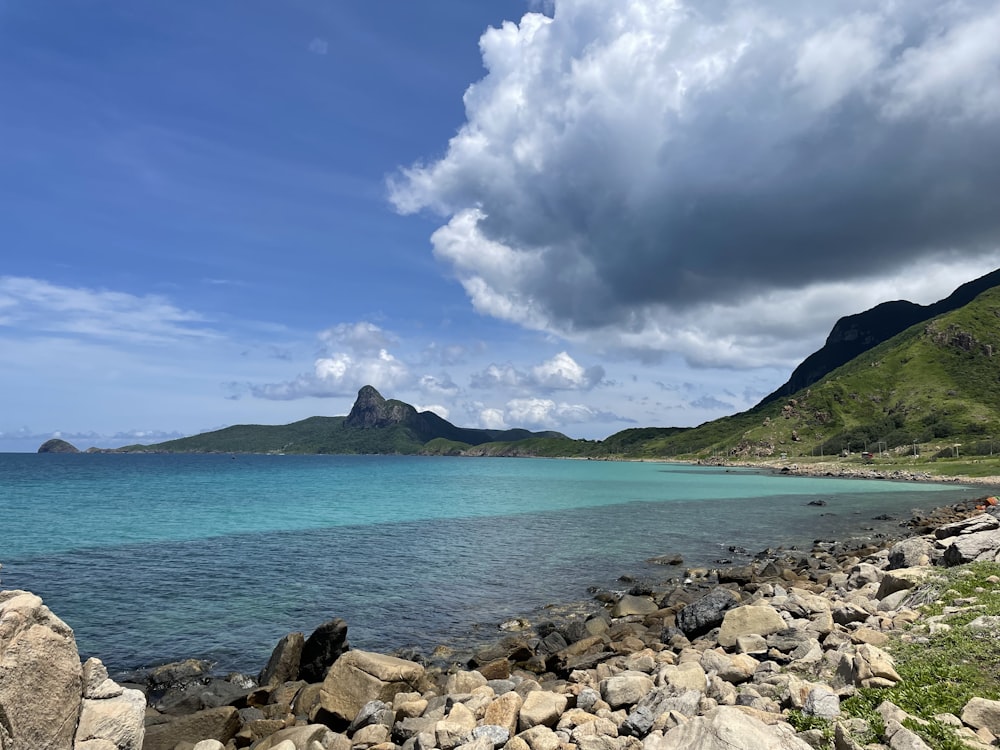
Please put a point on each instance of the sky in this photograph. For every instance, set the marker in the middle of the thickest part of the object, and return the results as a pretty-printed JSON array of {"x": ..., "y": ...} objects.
[{"x": 573, "y": 214}]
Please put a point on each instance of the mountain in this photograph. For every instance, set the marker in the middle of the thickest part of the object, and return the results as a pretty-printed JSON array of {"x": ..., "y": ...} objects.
[
  {"x": 855, "y": 334},
  {"x": 937, "y": 382},
  {"x": 374, "y": 425}
]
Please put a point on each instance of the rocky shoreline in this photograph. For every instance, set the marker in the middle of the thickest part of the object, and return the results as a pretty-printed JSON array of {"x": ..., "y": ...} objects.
[{"x": 720, "y": 658}]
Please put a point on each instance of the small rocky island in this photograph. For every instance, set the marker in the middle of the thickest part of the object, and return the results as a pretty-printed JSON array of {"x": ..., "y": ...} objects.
[{"x": 55, "y": 445}]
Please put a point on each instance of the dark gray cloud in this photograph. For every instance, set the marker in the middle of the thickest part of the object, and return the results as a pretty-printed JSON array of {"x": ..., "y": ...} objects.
[{"x": 630, "y": 168}]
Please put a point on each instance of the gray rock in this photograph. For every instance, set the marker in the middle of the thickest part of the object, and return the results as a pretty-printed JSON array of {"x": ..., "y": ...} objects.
[
  {"x": 728, "y": 728},
  {"x": 322, "y": 649},
  {"x": 220, "y": 724},
  {"x": 631, "y": 605},
  {"x": 285, "y": 661},
  {"x": 656, "y": 703},
  {"x": 118, "y": 719},
  {"x": 980, "y": 712},
  {"x": 495, "y": 734},
  {"x": 910, "y": 553},
  {"x": 966, "y": 548},
  {"x": 702, "y": 615},
  {"x": 973, "y": 525},
  {"x": 823, "y": 703},
  {"x": 373, "y": 712}
]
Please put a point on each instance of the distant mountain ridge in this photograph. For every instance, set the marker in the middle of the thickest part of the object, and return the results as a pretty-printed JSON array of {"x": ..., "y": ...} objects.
[
  {"x": 374, "y": 425},
  {"x": 853, "y": 335}
]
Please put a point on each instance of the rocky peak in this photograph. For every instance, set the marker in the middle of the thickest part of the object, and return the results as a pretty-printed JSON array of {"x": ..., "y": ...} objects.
[{"x": 371, "y": 410}]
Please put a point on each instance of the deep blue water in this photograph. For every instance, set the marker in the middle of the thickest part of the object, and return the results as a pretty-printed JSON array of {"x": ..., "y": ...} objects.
[{"x": 154, "y": 557}]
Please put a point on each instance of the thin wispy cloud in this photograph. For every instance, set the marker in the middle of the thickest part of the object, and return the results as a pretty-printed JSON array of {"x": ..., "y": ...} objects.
[{"x": 36, "y": 307}]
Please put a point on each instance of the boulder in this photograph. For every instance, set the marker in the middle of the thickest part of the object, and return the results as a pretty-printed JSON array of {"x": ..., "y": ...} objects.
[
  {"x": 700, "y": 616},
  {"x": 631, "y": 605},
  {"x": 903, "y": 579},
  {"x": 118, "y": 719},
  {"x": 322, "y": 649},
  {"x": 41, "y": 679},
  {"x": 541, "y": 707},
  {"x": 285, "y": 661},
  {"x": 973, "y": 525},
  {"x": 503, "y": 712},
  {"x": 752, "y": 619},
  {"x": 982, "y": 546},
  {"x": 300, "y": 737},
  {"x": 729, "y": 728},
  {"x": 220, "y": 724},
  {"x": 625, "y": 689},
  {"x": 655, "y": 704},
  {"x": 867, "y": 667},
  {"x": 822, "y": 703},
  {"x": 910, "y": 553},
  {"x": 980, "y": 712},
  {"x": 358, "y": 677}
]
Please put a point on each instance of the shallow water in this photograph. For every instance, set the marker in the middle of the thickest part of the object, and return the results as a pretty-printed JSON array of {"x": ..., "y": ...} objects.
[{"x": 152, "y": 558}]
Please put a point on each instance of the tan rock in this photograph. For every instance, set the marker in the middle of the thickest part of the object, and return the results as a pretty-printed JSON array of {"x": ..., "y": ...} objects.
[
  {"x": 220, "y": 724},
  {"x": 541, "y": 708},
  {"x": 751, "y": 619},
  {"x": 633, "y": 605},
  {"x": 541, "y": 738},
  {"x": 358, "y": 677},
  {"x": 301, "y": 738},
  {"x": 503, "y": 711},
  {"x": 41, "y": 679},
  {"x": 464, "y": 682},
  {"x": 981, "y": 713},
  {"x": 118, "y": 719},
  {"x": 625, "y": 689},
  {"x": 684, "y": 676}
]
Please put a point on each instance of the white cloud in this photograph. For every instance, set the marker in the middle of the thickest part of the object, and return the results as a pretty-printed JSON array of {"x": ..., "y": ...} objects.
[
  {"x": 362, "y": 337},
  {"x": 355, "y": 356},
  {"x": 36, "y": 307},
  {"x": 546, "y": 413},
  {"x": 492, "y": 419},
  {"x": 650, "y": 176},
  {"x": 561, "y": 372}
]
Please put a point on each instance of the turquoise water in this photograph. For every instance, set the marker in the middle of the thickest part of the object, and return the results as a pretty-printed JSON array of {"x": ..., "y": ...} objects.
[{"x": 152, "y": 558}]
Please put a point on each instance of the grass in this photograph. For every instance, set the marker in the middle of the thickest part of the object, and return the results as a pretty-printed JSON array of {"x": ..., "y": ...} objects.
[{"x": 943, "y": 671}]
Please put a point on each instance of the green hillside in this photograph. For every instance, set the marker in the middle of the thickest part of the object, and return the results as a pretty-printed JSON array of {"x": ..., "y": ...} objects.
[
  {"x": 936, "y": 383},
  {"x": 375, "y": 425}
]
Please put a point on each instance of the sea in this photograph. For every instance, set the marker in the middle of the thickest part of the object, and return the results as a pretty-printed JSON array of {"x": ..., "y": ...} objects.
[{"x": 154, "y": 558}]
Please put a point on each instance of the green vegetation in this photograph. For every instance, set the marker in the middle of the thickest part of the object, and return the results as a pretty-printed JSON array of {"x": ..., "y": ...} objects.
[
  {"x": 931, "y": 390},
  {"x": 942, "y": 671},
  {"x": 927, "y": 399}
]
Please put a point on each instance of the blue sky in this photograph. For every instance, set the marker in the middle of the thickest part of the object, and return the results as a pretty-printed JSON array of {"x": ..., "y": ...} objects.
[{"x": 573, "y": 215}]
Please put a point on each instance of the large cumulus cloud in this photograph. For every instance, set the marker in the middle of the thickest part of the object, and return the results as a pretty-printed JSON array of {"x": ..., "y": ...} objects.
[{"x": 662, "y": 171}]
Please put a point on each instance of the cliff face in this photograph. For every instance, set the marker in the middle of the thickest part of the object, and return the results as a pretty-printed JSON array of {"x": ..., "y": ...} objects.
[
  {"x": 371, "y": 410},
  {"x": 853, "y": 335}
]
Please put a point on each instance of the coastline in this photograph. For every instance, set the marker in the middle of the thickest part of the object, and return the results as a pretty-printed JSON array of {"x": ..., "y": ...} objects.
[{"x": 658, "y": 639}]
